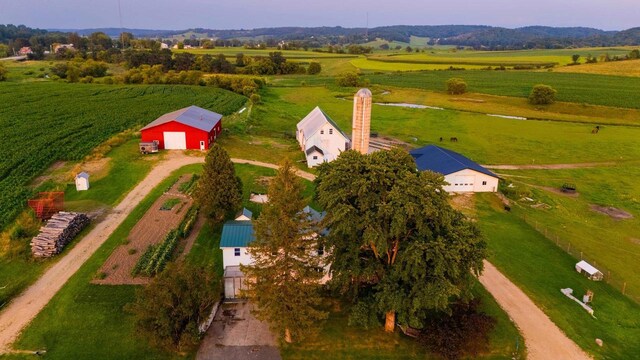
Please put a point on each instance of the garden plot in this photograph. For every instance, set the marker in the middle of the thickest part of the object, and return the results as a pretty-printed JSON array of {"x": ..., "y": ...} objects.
[{"x": 165, "y": 215}]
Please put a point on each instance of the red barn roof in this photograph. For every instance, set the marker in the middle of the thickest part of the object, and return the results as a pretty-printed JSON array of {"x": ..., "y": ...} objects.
[{"x": 193, "y": 116}]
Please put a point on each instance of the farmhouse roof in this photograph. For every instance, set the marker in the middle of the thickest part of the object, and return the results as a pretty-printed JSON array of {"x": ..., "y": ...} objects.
[
  {"x": 245, "y": 212},
  {"x": 315, "y": 215},
  {"x": 192, "y": 116},
  {"x": 83, "y": 175},
  {"x": 587, "y": 267},
  {"x": 314, "y": 148},
  {"x": 444, "y": 161},
  {"x": 314, "y": 121},
  {"x": 237, "y": 234}
]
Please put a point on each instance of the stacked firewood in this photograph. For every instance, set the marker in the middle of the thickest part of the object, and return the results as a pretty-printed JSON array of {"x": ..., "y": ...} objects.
[{"x": 58, "y": 232}]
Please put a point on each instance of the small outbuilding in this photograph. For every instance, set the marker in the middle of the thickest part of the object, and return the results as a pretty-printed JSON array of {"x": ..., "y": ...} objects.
[
  {"x": 189, "y": 128},
  {"x": 82, "y": 181},
  {"x": 592, "y": 273},
  {"x": 463, "y": 174}
]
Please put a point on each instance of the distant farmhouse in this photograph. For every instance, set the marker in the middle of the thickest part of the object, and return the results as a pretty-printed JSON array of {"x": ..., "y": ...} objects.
[
  {"x": 25, "y": 50},
  {"x": 237, "y": 235},
  {"x": 189, "y": 128},
  {"x": 462, "y": 174},
  {"x": 320, "y": 138},
  {"x": 61, "y": 47}
]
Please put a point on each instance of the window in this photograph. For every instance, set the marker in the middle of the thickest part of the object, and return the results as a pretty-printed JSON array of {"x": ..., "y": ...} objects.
[
  {"x": 320, "y": 250},
  {"x": 484, "y": 183},
  {"x": 330, "y": 131},
  {"x": 321, "y": 132},
  {"x": 236, "y": 252},
  {"x": 315, "y": 157}
]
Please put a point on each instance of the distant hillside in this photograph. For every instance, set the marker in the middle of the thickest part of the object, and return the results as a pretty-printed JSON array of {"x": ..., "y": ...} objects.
[{"x": 477, "y": 36}]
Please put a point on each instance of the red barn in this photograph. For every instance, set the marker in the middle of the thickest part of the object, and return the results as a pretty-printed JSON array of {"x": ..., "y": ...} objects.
[{"x": 188, "y": 128}]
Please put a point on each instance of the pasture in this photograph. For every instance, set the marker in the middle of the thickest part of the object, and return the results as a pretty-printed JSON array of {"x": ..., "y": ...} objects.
[
  {"x": 542, "y": 269},
  {"x": 615, "y": 91},
  {"x": 289, "y": 54},
  {"x": 615, "y": 68},
  {"x": 72, "y": 119}
]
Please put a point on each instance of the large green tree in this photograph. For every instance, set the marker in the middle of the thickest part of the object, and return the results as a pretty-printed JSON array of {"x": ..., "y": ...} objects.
[
  {"x": 542, "y": 95},
  {"x": 285, "y": 275},
  {"x": 219, "y": 191},
  {"x": 170, "y": 309},
  {"x": 396, "y": 245}
]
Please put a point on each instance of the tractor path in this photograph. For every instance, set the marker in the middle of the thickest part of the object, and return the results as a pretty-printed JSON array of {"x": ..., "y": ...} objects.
[
  {"x": 543, "y": 338},
  {"x": 24, "y": 308}
]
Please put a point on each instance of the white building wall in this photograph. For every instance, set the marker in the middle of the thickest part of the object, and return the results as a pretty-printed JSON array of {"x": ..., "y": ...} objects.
[
  {"x": 229, "y": 258},
  {"x": 470, "y": 181},
  {"x": 329, "y": 139}
]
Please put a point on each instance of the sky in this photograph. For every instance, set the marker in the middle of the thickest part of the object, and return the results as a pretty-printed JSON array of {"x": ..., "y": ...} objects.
[{"x": 247, "y": 14}]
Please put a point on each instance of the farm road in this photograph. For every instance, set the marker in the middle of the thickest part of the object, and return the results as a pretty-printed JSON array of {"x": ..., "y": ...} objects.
[
  {"x": 543, "y": 338},
  {"x": 23, "y": 309}
]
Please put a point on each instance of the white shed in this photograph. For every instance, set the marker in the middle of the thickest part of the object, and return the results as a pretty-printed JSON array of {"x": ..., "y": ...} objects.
[
  {"x": 82, "y": 181},
  {"x": 584, "y": 267}
]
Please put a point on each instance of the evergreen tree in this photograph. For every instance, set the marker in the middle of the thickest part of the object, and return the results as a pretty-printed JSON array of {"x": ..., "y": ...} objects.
[
  {"x": 219, "y": 191},
  {"x": 396, "y": 245},
  {"x": 284, "y": 278}
]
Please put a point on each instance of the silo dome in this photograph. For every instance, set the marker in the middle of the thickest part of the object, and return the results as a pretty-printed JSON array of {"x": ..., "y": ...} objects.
[{"x": 364, "y": 93}]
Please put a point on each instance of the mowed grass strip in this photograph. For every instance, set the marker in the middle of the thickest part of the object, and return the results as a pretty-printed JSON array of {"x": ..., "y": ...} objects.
[
  {"x": 541, "y": 269},
  {"x": 616, "y": 91}
]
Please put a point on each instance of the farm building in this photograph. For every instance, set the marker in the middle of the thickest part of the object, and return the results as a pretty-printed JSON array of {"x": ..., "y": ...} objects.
[
  {"x": 320, "y": 138},
  {"x": 236, "y": 237},
  {"x": 188, "y": 128},
  {"x": 592, "y": 273},
  {"x": 462, "y": 174},
  {"x": 82, "y": 181}
]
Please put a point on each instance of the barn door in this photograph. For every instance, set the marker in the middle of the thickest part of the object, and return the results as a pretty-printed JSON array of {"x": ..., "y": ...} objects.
[
  {"x": 201, "y": 145},
  {"x": 175, "y": 140}
]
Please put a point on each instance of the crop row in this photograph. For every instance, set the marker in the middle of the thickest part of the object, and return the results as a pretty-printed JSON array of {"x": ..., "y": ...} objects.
[{"x": 47, "y": 122}]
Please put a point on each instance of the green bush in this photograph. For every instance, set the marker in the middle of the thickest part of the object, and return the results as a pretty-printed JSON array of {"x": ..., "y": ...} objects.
[
  {"x": 255, "y": 99},
  {"x": 314, "y": 68},
  {"x": 348, "y": 79},
  {"x": 542, "y": 95},
  {"x": 456, "y": 86}
]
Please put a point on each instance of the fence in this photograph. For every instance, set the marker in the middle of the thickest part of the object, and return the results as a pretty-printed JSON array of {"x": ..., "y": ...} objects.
[{"x": 610, "y": 278}]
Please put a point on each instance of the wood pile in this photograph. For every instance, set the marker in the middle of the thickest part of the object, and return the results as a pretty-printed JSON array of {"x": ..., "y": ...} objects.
[{"x": 58, "y": 232}]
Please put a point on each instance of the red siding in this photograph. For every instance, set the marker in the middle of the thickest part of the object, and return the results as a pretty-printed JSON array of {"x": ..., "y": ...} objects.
[{"x": 193, "y": 135}]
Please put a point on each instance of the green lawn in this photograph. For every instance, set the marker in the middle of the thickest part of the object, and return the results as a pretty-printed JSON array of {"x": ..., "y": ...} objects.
[
  {"x": 612, "y": 245},
  {"x": 541, "y": 269},
  {"x": 338, "y": 340}
]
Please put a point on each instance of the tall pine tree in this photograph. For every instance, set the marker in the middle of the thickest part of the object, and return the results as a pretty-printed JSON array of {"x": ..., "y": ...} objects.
[
  {"x": 219, "y": 191},
  {"x": 284, "y": 279}
]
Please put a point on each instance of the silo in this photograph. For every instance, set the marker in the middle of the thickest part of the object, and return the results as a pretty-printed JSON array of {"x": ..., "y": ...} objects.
[{"x": 361, "y": 121}]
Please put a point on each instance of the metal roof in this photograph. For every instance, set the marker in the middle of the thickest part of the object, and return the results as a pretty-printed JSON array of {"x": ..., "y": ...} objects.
[
  {"x": 444, "y": 161},
  {"x": 193, "y": 116},
  {"x": 237, "y": 234},
  {"x": 364, "y": 92},
  {"x": 82, "y": 175},
  {"x": 587, "y": 267},
  {"x": 314, "y": 121},
  {"x": 314, "y": 148}
]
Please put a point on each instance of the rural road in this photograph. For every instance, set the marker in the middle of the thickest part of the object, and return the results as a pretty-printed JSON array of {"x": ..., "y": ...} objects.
[
  {"x": 23, "y": 309},
  {"x": 543, "y": 338}
]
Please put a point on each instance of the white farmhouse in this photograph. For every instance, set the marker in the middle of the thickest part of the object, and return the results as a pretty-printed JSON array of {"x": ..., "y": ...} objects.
[
  {"x": 462, "y": 174},
  {"x": 235, "y": 240},
  {"x": 320, "y": 138}
]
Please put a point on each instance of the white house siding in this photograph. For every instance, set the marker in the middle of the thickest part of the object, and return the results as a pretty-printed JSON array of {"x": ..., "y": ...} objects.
[
  {"x": 468, "y": 180},
  {"x": 229, "y": 258}
]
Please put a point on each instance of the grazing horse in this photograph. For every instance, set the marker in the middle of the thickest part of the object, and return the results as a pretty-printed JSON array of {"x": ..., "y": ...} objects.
[
  {"x": 454, "y": 139},
  {"x": 596, "y": 129},
  {"x": 441, "y": 139}
]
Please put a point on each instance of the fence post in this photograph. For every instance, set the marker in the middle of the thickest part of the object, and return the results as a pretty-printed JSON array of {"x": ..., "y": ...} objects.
[
  {"x": 580, "y": 255},
  {"x": 624, "y": 288},
  {"x": 569, "y": 247}
]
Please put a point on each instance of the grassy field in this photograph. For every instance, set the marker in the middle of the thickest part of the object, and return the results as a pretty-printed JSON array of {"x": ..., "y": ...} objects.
[
  {"x": 615, "y": 68},
  {"x": 542, "y": 269},
  {"x": 613, "y": 245},
  {"x": 488, "y": 140},
  {"x": 72, "y": 119},
  {"x": 289, "y": 54},
  {"x": 616, "y": 91}
]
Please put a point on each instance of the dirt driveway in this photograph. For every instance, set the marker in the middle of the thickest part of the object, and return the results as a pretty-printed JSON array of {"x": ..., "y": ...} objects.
[
  {"x": 19, "y": 313},
  {"x": 543, "y": 338},
  {"x": 236, "y": 335}
]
